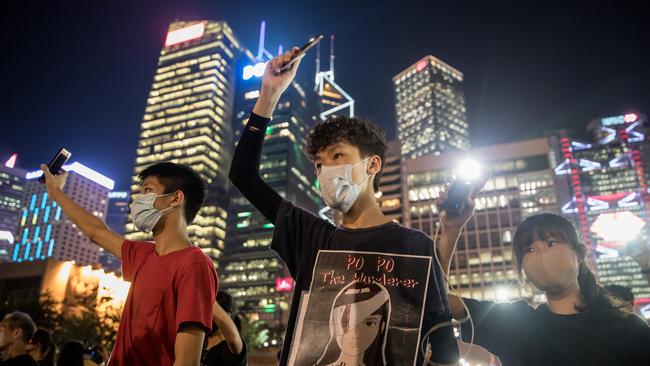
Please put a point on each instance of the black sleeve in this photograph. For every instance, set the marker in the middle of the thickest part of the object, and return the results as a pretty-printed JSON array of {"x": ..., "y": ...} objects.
[
  {"x": 220, "y": 355},
  {"x": 492, "y": 323},
  {"x": 236, "y": 359},
  {"x": 298, "y": 233},
  {"x": 444, "y": 348},
  {"x": 639, "y": 339},
  {"x": 245, "y": 169},
  {"x": 437, "y": 300}
]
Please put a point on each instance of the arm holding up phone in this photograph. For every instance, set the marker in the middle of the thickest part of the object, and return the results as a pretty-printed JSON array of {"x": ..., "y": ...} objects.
[
  {"x": 244, "y": 171},
  {"x": 90, "y": 225},
  {"x": 452, "y": 226}
]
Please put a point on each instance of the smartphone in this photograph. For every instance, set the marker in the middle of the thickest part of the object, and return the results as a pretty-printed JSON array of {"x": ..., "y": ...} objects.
[
  {"x": 56, "y": 164},
  {"x": 303, "y": 50},
  {"x": 457, "y": 196},
  {"x": 462, "y": 189}
]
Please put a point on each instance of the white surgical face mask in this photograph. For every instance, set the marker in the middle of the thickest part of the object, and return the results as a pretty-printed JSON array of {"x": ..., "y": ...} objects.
[
  {"x": 143, "y": 214},
  {"x": 337, "y": 188}
]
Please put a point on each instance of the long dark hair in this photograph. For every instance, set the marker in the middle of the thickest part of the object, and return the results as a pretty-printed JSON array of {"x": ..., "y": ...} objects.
[
  {"x": 42, "y": 339},
  {"x": 374, "y": 355},
  {"x": 594, "y": 296}
]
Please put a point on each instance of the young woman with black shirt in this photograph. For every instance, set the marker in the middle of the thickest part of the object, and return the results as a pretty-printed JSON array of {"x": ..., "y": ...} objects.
[{"x": 580, "y": 324}]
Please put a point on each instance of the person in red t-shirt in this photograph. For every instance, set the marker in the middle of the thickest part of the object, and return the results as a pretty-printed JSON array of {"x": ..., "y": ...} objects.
[{"x": 173, "y": 283}]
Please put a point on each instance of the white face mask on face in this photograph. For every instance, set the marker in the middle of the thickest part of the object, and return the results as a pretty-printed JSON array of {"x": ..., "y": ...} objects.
[
  {"x": 337, "y": 188},
  {"x": 143, "y": 214}
]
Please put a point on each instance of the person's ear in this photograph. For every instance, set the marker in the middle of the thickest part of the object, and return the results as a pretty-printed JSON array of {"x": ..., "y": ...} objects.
[
  {"x": 375, "y": 165},
  {"x": 177, "y": 199},
  {"x": 17, "y": 333}
]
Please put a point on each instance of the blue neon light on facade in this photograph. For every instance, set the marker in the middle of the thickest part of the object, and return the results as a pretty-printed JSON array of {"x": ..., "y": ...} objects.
[
  {"x": 35, "y": 218},
  {"x": 48, "y": 231},
  {"x": 25, "y": 233},
  {"x": 36, "y": 232},
  {"x": 51, "y": 248},
  {"x": 29, "y": 245},
  {"x": 31, "y": 206},
  {"x": 38, "y": 249},
  {"x": 46, "y": 217},
  {"x": 15, "y": 257},
  {"x": 44, "y": 200},
  {"x": 58, "y": 214}
]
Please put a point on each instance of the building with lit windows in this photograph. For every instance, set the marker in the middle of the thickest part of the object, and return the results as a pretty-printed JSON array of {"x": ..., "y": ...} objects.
[
  {"x": 521, "y": 184},
  {"x": 45, "y": 232},
  {"x": 603, "y": 186},
  {"x": 12, "y": 182},
  {"x": 430, "y": 109},
  {"x": 390, "y": 193},
  {"x": 116, "y": 218},
  {"x": 253, "y": 274},
  {"x": 187, "y": 119}
]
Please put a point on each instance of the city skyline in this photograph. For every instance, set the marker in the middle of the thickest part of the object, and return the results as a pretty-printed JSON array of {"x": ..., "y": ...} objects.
[{"x": 517, "y": 85}]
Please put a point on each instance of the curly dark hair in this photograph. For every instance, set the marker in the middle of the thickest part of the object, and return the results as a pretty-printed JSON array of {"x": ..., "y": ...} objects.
[{"x": 369, "y": 138}]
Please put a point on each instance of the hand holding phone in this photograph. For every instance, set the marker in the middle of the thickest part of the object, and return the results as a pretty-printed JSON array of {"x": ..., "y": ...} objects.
[
  {"x": 54, "y": 175},
  {"x": 468, "y": 182},
  {"x": 56, "y": 164},
  {"x": 299, "y": 55},
  {"x": 278, "y": 75}
]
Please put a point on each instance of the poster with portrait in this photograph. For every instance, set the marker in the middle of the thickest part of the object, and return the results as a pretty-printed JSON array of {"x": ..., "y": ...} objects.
[{"x": 361, "y": 308}]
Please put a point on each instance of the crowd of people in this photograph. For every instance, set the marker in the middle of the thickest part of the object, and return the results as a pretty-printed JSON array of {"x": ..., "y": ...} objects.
[
  {"x": 22, "y": 343},
  {"x": 175, "y": 315}
]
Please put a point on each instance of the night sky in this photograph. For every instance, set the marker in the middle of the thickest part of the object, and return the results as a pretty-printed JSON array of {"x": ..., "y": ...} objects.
[{"x": 77, "y": 74}]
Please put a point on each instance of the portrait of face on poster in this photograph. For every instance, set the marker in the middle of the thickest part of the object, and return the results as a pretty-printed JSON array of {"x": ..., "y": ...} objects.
[{"x": 362, "y": 308}]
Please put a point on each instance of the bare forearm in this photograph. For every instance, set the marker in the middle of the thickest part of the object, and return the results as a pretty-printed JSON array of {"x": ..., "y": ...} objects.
[
  {"x": 228, "y": 329},
  {"x": 87, "y": 222},
  {"x": 188, "y": 345},
  {"x": 90, "y": 225},
  {"x": 446, "y": 249},
  {"x": 196, "y": 361},
  {"x": 266, "y": 103}
]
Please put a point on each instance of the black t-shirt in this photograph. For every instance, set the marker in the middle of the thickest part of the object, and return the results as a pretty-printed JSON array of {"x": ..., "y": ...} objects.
[
  {"x": 299, "y": 236},
  {"x": 521, "y": 335},
  {"x": 22, "y": 360},
  {"x": 220, "y": 355}
]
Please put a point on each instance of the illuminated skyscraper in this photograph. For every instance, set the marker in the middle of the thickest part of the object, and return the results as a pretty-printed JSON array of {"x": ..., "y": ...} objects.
[
  {"x": 12, "y": 182},
  {"x": 45, "y": 232},
  {"x": 603, "y": 187},
  {"x": 253, "y": 274},
  {"x": 187, "y": 119},
  {"x": 430, "y": 109}
]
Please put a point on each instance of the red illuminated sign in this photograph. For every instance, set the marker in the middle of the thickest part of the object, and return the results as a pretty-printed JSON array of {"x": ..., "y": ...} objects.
[
  {"x": 630, "y": 117},
  {"x": 284, "y": 284},
  {"x": 421, "y": 65}
]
